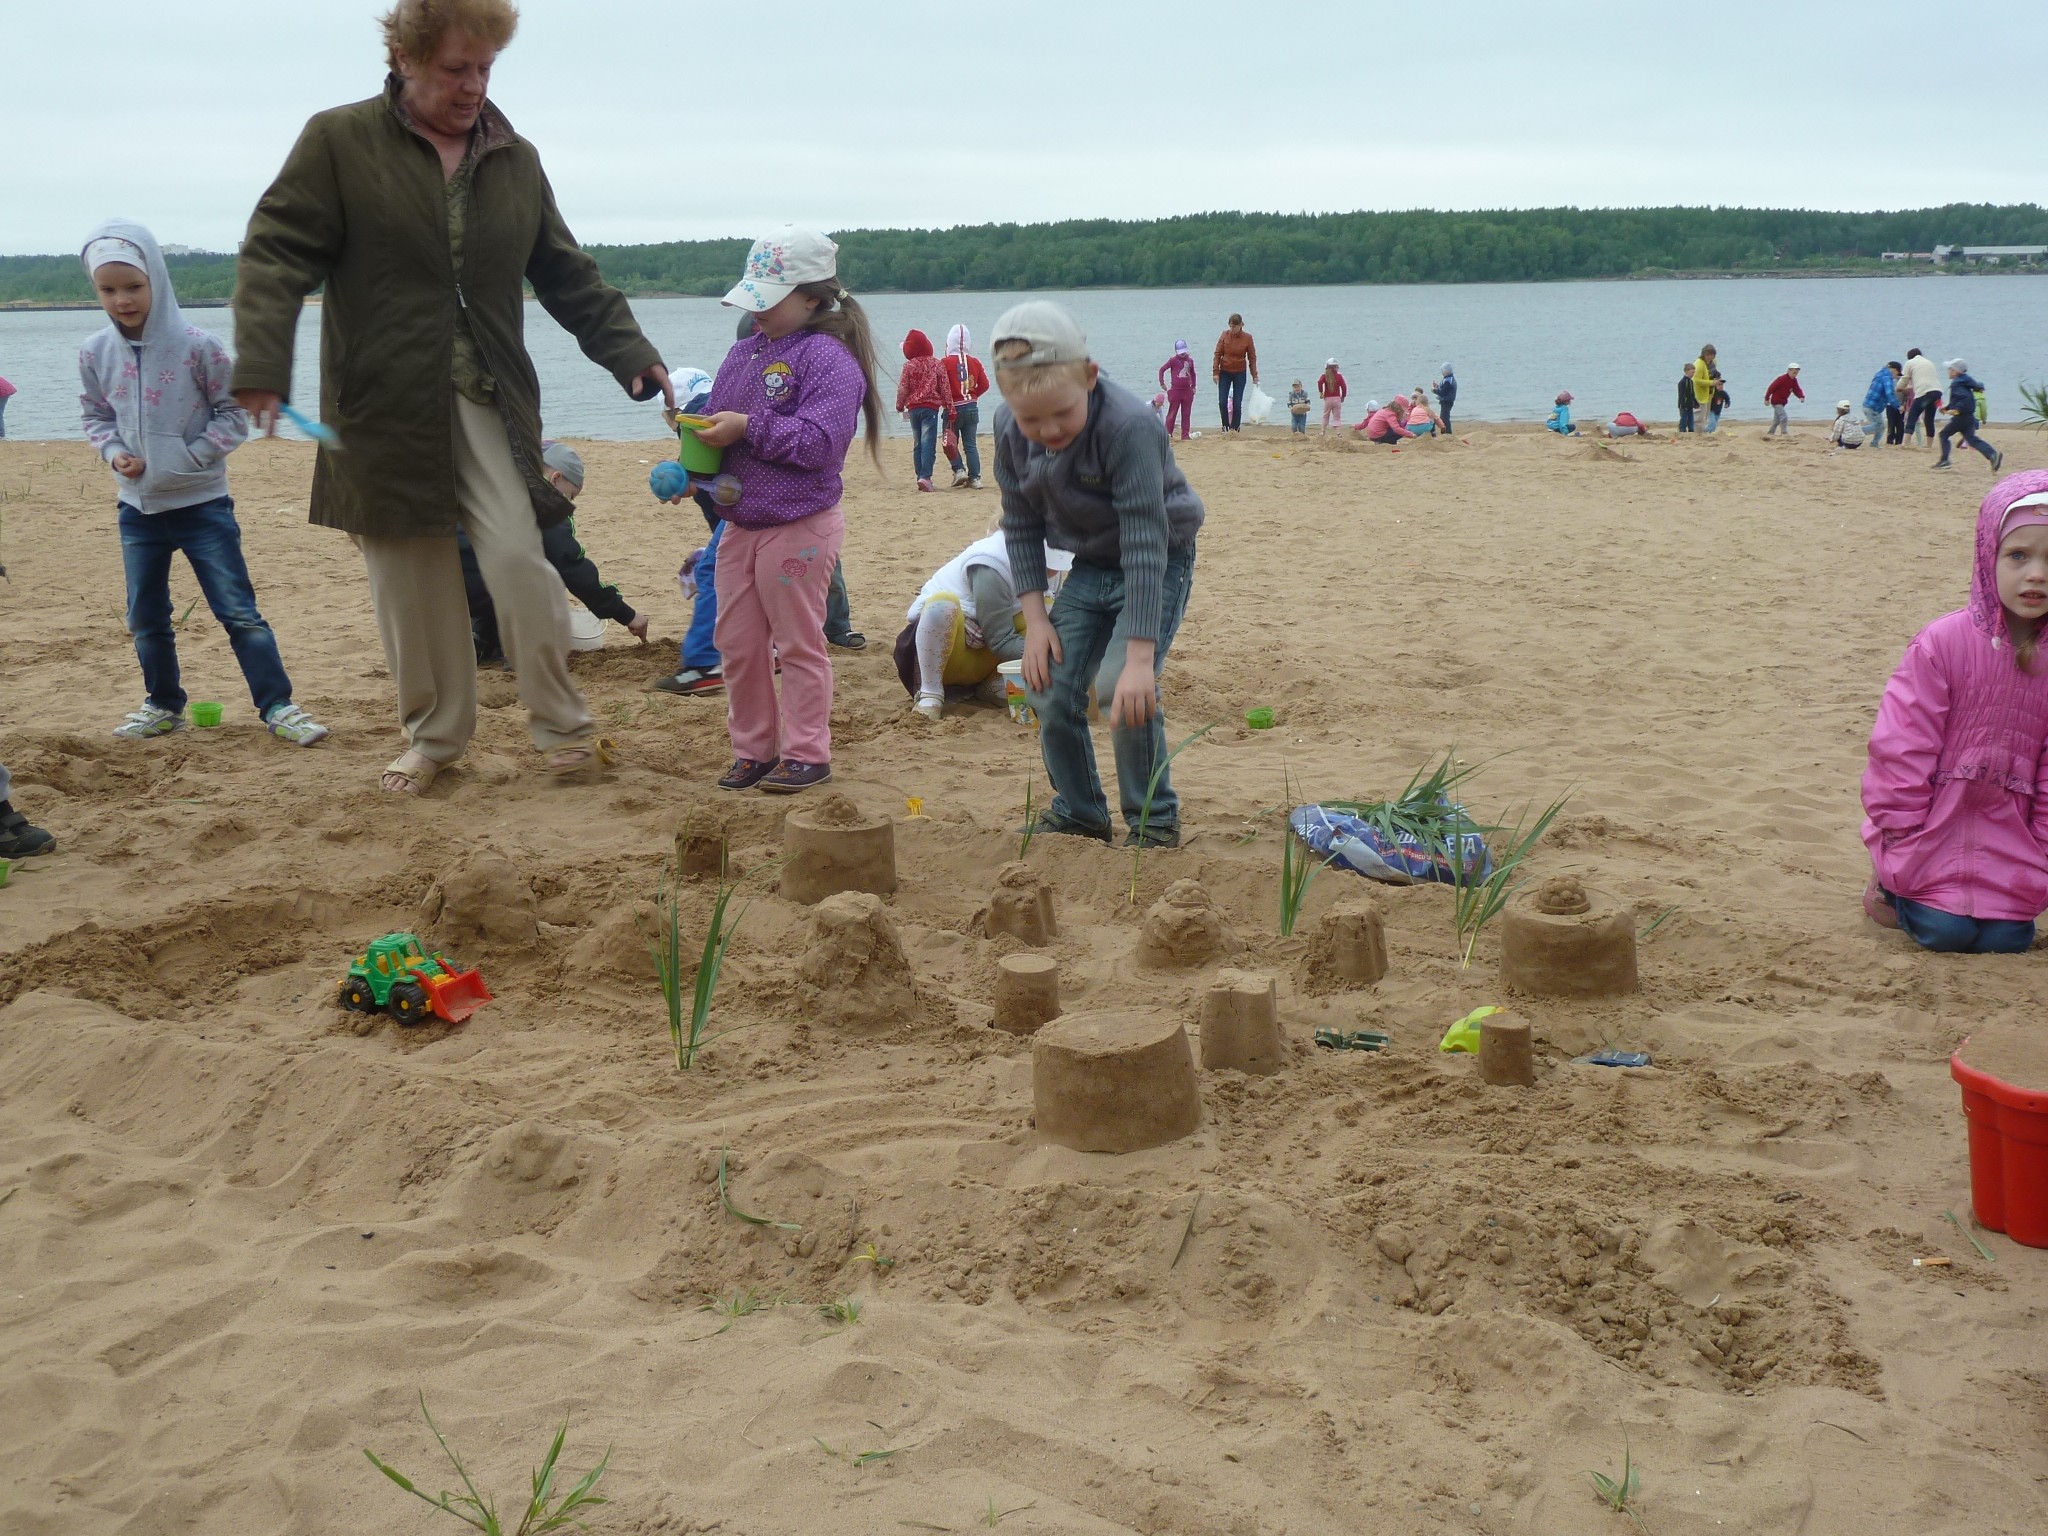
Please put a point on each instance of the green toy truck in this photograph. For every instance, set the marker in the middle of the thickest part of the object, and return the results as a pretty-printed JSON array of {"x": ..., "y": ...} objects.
[{"x": 409, "y": 983}]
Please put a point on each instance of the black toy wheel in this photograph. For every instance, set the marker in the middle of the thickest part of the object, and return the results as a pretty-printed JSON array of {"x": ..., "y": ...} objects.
[
  {"x": 408, "y": 1002},
  {"x": 356, "y": 998}
]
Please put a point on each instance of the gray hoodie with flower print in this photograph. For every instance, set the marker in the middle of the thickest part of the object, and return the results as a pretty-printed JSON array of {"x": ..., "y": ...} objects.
[{"x": 163, "y": 398}]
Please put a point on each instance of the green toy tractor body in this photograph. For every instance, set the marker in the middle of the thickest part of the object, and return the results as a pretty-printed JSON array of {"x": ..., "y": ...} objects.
[{"x": 400, "y": 977}]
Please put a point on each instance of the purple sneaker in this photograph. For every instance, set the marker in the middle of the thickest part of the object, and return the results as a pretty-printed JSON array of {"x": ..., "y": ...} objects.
[
  {"x": 745, "y": 773},
  {"x": 790, "y": 776}
]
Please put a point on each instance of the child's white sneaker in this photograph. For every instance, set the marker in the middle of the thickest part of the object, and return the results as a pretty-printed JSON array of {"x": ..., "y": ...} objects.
[
  {"x": 150, "y": 721},
  {"x": 931, "y": 705},
  {"x": 288, "y": 722}
]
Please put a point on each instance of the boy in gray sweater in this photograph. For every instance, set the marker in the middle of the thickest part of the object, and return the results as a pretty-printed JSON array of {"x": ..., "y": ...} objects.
[{"x": 1084, "y": 465}]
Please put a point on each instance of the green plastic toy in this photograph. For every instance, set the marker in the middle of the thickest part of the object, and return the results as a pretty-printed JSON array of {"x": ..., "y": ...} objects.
[
  {"x": 1464, "y": 1035},
  {"x": 398, "y": 976}
]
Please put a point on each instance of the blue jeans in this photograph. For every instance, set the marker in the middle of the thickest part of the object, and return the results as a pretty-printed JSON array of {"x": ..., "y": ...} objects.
[
  {"x": 924, "y": 440},
  {"x": 1932, "y": 928},
  {"x": 698, "y": 651},
  {"x": 1965, "y": 427},
  {"x": 838, "y": 606},
  {"x": 212, "y": 542},
  {"x": 1230, "y": 398},
  {"x": 1300, "y": 422},
  {"x": 1089, "y": 619},
  {"x": 967, "y": 422},
  {"x": 1713, "y": 421}
]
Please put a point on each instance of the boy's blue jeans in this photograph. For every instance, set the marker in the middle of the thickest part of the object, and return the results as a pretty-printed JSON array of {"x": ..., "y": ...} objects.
[
  {"x": 1089, "y": 619},
  {"x": 211, "y": 540},
  {"x": 924, "y": 440},
  {"x": 698, "y": 650},
  {"x": 967, "y": 422},
  {"x": 1932, "y": 928}
]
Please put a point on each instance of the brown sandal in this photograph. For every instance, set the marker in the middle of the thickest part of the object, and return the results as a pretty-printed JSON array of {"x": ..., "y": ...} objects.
[{"x": 575, "y": 758}]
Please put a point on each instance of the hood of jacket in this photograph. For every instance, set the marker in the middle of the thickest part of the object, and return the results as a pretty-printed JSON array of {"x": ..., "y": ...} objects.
[
  {"x": 917, "y": 344},
  {"x": 1986, "y": 611},
  {"x": 166, "y": 321},
  {"x": 958, "y": 342}
]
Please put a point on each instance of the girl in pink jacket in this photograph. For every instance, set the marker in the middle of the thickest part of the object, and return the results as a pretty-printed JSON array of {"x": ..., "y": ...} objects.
[{"x": 1957, "y": 788}]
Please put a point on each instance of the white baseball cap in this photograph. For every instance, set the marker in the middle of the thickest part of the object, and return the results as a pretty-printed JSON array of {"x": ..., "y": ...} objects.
[
  {"x": 1054, "y": 335},
  {"x": 780, "y": 261}
]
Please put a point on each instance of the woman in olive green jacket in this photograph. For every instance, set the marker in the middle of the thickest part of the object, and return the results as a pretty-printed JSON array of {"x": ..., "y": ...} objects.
[{"x": 422, "y": 213}]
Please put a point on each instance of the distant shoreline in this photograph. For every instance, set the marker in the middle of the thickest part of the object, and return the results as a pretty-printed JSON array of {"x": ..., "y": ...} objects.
[{"x": 43, "y": 306}]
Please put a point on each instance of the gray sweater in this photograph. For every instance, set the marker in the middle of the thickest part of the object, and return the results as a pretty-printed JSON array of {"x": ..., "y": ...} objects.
[{"x": 1114, "y": 496}]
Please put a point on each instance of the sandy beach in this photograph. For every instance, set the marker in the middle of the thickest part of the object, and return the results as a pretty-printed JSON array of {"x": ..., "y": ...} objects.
[{"x": 1368, "y": 1295}]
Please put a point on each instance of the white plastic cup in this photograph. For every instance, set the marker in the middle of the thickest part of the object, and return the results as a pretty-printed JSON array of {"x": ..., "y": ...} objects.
[{"x": 1014, "y": 695}]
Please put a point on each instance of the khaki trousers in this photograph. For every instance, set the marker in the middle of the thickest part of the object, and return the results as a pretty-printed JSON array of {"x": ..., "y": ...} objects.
[{"x": 423, "y": 614}]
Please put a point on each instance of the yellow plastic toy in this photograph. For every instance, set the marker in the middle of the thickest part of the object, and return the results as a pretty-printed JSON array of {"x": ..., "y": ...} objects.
[{"x": 1464, "y": 1035}]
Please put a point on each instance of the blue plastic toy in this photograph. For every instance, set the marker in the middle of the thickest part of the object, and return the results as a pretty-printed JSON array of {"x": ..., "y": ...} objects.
[{"x": 668, "y": 480}]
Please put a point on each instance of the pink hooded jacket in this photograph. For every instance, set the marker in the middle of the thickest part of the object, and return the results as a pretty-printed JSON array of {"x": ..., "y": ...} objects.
[{"x": 1956, "y": 793}]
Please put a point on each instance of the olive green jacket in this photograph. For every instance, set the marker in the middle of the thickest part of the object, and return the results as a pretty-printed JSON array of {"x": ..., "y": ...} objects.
[{"x": 360, "y": 208}]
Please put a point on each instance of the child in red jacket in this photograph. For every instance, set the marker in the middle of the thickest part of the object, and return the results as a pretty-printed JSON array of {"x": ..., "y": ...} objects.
[
  {"x": 966, "y": 383},
  {"x": 1779, "y": 395},
  {"x": 921, "y": 391}
]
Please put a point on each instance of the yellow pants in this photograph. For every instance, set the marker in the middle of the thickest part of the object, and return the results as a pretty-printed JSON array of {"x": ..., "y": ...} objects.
[{"x": 965, "y": 665}]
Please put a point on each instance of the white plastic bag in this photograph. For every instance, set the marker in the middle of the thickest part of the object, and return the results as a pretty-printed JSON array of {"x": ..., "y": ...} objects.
[{"x": 1258, "y": 405}]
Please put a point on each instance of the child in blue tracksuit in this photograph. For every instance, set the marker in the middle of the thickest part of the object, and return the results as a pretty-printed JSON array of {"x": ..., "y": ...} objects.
[
  {"x": 699, "y": 668},
  {"x": 1962, "y": 416},
  {"x": 1560, "y": 417},
  {"x": 158, "y": 411}
]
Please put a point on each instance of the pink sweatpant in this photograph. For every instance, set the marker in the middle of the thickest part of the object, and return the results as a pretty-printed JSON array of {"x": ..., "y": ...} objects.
[
  {"x": 771, "y": 599},
  {"x": 1179, "y": 407},
  {"x": 1333, "y": 412}
]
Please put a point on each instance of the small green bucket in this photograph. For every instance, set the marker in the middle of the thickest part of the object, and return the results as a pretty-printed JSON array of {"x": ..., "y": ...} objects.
[
  {"x": 5, "y": 867},
  {"x": 1260, "y": 719},
  {"x": 698, "y": 458},
  {"x": 205, "y": 716}
]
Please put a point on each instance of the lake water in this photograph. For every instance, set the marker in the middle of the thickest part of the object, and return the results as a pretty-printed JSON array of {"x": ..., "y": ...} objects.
[{"x": 1616, "y": 346}]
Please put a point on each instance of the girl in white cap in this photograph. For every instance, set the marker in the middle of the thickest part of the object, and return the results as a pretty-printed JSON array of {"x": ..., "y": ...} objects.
[{"x": 784, "y": 407}]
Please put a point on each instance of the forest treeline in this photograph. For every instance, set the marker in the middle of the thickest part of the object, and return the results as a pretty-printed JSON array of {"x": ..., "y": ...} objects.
[{"x": 1225, "y": 250}]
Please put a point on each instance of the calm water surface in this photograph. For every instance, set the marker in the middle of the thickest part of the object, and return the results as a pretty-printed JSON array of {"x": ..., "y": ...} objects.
[{"x": 1616, "y": 346}]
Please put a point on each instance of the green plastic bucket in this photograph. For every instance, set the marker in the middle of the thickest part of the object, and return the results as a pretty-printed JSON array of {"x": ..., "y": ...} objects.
[
  {"x": 1260, "y": 719},
  {"x": 698, "y": 458},
  {"x": 205, "y": 716}
]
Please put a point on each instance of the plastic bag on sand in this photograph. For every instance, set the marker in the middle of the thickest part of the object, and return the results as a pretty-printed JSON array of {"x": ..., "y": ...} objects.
[
  {"x": 1359, "y": 846},
  {"x": 1258, "y": 405}
]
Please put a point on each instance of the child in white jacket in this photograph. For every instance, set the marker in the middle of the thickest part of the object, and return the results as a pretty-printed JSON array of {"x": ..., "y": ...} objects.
[{"x": 157, "y": 408}]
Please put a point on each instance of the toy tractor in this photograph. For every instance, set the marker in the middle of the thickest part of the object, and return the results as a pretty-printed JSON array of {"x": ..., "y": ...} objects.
[{"x": 408, "y": 983}]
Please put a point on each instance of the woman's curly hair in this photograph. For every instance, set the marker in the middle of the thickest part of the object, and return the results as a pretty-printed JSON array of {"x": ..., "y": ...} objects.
[{"x": 413, "y": 29}]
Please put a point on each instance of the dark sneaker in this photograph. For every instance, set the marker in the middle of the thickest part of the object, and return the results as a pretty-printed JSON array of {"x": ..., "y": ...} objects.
[
  {"x": 693, "y": 680},
  {"x": 790, "y": 776},
  {"x": 745, "y": 773},
  {"x": 1998, "y": 461},
  {"x": 852, "y": 640},
  {"x": 1048, "y": 823},
  {"x": 19, "y": 840},
  {"x": 1155, "y": 837}
]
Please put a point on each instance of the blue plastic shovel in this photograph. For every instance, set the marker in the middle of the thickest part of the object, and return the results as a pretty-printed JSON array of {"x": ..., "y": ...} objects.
[{"x": 326, "y": 437}]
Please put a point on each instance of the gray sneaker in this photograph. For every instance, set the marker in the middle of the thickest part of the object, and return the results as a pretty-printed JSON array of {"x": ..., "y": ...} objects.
[
  {"x": 288, "y": 722},
  {"x": 150, "y": 721}
]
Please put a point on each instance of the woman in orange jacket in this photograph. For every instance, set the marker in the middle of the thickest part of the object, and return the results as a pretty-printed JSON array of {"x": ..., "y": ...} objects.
[{"x": 1236, "y": 355}]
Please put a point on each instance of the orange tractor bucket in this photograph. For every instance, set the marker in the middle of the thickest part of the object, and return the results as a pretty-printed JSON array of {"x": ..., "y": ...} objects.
[{"x": 456, "y": 994}]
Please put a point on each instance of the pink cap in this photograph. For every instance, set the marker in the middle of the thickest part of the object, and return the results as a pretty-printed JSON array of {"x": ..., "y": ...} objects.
[{"x": 2027, "y": 512}]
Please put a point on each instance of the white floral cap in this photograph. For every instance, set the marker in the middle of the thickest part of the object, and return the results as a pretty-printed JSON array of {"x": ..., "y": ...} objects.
[{"x": 778, "y": 262}]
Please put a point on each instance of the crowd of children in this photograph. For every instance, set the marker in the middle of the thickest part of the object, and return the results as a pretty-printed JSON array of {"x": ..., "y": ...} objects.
[{"x": 1086, "y": 577}]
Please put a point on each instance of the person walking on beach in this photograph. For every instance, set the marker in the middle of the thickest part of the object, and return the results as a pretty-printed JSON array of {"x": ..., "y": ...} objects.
[
  {"x": 1965, "y": 399},
  {"x": 425, "y": 215},
  {"x": 1881, "y": 404},
  {"x": 1924, "y": 381},
  {"x": 966, "y": 383},
  {"x": 1446, "y": 390},
  {"x": 7, "y": 392},
  {"x": 1236, "y": 356},
  {"x": 1178, "y": 377},
  {"x": 1703, "y": 376},
  {"x": 921, "y": 393},
  {"x": 1720, "y": 401},
  {"x": 1331, "y": 386},
  {"x": 1778, "y": 396},
  {"x": 1688, "y": 402}
]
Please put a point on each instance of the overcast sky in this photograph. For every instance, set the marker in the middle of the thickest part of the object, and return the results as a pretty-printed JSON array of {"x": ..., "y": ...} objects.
[{"x": 660, "y": 121}]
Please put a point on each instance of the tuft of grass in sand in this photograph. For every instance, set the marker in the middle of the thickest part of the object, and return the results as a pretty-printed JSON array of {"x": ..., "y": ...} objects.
[
  {"x": 1619, "y": 1494},
  {"x": 1297, "y": 867},
  {"x": 1479, "y": 902},
  {"x": 543, "y": 1512}
]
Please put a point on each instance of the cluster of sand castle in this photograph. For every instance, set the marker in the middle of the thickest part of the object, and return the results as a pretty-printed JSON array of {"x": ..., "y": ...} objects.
[{"x": 1124, "y": 1080}]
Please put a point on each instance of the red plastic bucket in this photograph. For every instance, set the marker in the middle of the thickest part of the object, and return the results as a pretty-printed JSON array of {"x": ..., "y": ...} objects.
[{"x": 2008, "y": 1152}]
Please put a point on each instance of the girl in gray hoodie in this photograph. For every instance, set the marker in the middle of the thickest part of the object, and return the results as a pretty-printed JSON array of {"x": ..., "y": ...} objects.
[{"x": 158, "y": 410}]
